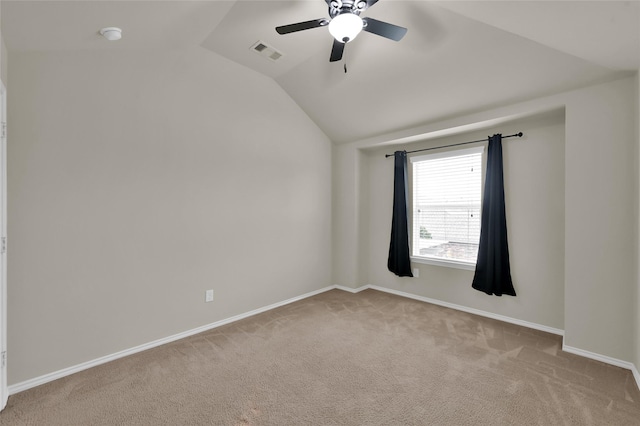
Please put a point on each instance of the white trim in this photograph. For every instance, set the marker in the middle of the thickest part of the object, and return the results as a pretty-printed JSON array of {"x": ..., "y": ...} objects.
[
  {"x": 4, "y": 389},
  {"x": 350, "y": 289},
  {"x": 598, "y": 357},
  {"x": 636, "y": 375},
  {"x": 37, "y": 381},
  {"x": 603, "y": 358},
  {"x": 442, "y": 262},
  {"x": 606, "y": 359},
  {"x": 448, "y": 153},
  {"x": 474, "y": 311}
]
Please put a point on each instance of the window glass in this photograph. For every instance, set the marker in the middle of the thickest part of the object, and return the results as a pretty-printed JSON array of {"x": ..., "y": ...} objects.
[{"x": 446, "y": 205}]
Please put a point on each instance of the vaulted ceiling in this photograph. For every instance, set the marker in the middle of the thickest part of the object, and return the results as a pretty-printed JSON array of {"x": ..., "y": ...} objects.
[{"x": 457, "y": 57}]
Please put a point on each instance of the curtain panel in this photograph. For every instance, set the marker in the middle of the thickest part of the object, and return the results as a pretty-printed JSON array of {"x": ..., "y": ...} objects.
[
  {"x": 399, "y": 256},
  {"x": 493, "y": 271}
]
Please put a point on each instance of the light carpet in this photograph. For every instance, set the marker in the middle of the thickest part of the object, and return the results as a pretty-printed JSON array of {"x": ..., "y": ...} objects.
[{"x": 344, "y": 359}]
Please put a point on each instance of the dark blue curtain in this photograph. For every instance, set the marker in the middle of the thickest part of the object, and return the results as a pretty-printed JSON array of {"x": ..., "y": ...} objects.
[
  {"x": 399, "y": 262},
  {"x": 493, "y": 272}
]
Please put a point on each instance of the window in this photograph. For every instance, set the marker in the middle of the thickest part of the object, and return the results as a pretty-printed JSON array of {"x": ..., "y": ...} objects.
[{"x": 446, "y": 207}]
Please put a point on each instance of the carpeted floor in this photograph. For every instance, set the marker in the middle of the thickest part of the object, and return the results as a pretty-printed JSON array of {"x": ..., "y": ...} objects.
[{"x": 344, "y": 359}]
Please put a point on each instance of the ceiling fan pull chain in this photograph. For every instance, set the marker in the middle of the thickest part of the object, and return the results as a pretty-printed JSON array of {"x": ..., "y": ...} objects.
[{"x": 345, "y": 67}]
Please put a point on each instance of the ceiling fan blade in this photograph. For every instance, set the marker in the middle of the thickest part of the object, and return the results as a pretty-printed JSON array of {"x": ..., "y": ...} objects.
[
  {"x": 336, "y": 51},
  {"x": 384, "y": 29},
  {"x": 306, "y": 25}
]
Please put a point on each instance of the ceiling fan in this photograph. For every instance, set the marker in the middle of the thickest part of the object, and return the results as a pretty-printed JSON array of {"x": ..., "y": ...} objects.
[{"x": 345, "y": 24}]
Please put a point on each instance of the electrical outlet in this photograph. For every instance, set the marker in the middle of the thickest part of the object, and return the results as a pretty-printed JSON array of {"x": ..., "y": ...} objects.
[
  {"x": 416, "y": 272},
  {"x": 208, "y": 296}
]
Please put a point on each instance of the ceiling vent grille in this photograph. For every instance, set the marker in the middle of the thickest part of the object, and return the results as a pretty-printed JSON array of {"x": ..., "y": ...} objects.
[{"x": 263, "y": 49}]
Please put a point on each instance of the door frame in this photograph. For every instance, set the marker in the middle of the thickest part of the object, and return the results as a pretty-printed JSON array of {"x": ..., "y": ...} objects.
[{"x": 4, "y": 390}]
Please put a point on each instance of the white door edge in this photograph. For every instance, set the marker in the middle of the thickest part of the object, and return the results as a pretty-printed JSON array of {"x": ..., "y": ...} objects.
[{"x": 4, "y": 390}]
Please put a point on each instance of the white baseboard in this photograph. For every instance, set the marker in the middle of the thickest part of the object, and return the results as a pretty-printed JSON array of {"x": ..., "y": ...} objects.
[
  {"x": 606, "y": 359},
  {"x": 598, "y": 357},
  {"x": 516, "y": 321},
  {"x": 37, "y": 381},
  {"x": 31, "y": 383},
  {"x": 351, "y": 290},
  {"x": 603, "y": 358}
]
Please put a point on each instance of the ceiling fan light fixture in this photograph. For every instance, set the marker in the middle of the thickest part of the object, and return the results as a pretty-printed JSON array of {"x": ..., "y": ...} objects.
[
  {"x": 345, "y": 27},
  {"x": 346, "y": 24}
]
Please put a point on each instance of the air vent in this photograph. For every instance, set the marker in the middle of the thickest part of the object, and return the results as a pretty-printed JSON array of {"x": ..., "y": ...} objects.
[{"x": 263, "y": 49}]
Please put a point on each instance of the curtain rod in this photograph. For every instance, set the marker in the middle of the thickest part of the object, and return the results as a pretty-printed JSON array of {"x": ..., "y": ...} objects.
[{"x": 519, "y": 134}]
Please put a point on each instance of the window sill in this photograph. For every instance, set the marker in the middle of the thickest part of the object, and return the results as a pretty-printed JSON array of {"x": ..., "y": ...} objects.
[{"x": 446, "y": 263}]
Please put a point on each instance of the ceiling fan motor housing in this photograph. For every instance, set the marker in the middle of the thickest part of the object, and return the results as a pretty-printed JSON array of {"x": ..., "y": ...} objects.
[{"x": 337, "y": 7}]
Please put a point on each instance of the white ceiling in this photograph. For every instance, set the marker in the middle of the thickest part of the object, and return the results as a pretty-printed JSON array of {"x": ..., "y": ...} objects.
[{"x": 457, "y": 57}]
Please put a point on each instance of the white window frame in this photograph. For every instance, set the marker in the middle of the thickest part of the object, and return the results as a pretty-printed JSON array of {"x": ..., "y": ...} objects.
[{"x": 449, "y": 263}]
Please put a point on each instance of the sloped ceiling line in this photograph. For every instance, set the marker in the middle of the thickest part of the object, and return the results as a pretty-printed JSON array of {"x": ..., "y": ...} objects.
[{"x": 452, "y": 60}]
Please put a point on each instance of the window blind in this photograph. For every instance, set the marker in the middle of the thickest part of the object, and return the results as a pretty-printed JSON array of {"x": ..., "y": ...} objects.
[{"x": 447, "y": 204}]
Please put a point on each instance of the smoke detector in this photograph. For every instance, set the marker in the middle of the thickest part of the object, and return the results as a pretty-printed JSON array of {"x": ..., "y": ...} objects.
[{"x": 111, "y": 33}]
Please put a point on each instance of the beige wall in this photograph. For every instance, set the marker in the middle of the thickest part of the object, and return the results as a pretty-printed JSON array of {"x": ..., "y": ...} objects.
[
  {"x": 3, "y": 56},
  {"x": 600, "y": 203},
  {"x": 4, "y": 63},
  {"x": 601, "y": 199},
  {"x": 138, "y": 180},
  {"x": 348, "y": 266},
  {"x": 534, "y": 193}
]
